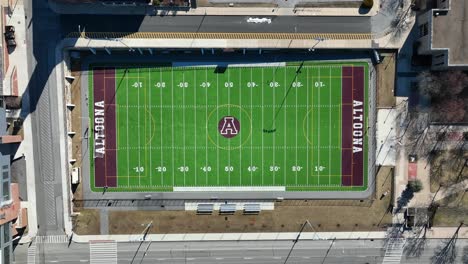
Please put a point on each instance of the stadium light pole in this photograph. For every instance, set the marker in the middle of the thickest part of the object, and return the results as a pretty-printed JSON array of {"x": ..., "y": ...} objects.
[
  {"x": 318, "y": 39},
  {"x": 297, "y": 239},
  {"x": 145, "y": 233}
]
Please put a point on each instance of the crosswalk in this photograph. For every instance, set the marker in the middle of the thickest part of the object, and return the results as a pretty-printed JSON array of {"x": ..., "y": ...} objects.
[
  {"x": 32, "y": 254},
  {"x": 103, "y": 252},
  {"x": 394, "y": 251},
  {"x": 52, "y": 239}
]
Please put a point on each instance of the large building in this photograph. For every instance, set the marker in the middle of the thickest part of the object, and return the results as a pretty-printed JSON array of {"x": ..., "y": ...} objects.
[
  {"x": 13, "y": 218},
  {"x": 443, "y": 31}
]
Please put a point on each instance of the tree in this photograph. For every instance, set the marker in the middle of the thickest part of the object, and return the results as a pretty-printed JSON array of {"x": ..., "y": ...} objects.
[
  {"x": 415, "y": 186},
  {"x": 448, "y": 110},
  {"x": 454, "y": 81},
  {"x": 430, "y": 84},
  {"x": 368, "y": 3}
]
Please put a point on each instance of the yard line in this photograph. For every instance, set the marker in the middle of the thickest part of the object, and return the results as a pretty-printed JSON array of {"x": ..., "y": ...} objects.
[
  {"x": 128, "y": 149},
  {"x": 229, "y": 142},
  {"x": 138, "y": 109},
  {"x": 161, "y": 127},
  {"x": 195, "y": 127},
  {"x": 285, "y": 125},
  {"x": 296, "y": 127},
  {"x": 183, "y": 121},
  {"x": 274, "y": 124},
  {"x": 263, "y": 123},
  {"x": 172, "y": 126},
  {"x": 206, "y": 137},
  {"x": 251, "y": 142},
  {"x": 240, "y": 105},
  {"x": 308, "y": 161},
  {"x": 150, "y": 123},
  {"x": 318, "y": 127},
  {"x": 329, "y": 129},
  {"x": 217, "y": 137}
]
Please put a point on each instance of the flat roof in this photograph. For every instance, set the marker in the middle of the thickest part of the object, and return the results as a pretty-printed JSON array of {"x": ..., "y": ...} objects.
[{"x": 450, "y": 31}]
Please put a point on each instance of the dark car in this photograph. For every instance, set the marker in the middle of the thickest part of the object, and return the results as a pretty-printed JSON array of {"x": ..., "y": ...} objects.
[{"x": 10, "y": 36}]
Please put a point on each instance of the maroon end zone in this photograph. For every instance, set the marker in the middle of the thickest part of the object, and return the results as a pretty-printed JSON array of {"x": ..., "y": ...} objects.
[
  {"x": 104, "y": 127},
  {"x": 352, "y": 146}
]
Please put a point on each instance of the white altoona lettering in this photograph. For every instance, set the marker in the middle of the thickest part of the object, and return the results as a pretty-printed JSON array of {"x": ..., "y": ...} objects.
[
  {"x": 357, "y": 126},
  {"x": 99, "y": 130}
]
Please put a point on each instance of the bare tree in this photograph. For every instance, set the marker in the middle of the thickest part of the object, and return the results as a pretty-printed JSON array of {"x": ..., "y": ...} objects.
[
  {"x": 416, "y": 243},
  {"x": 447, "y": 252},
  {"x": 430, "y": 84},
  {"x": 454, "y": 81},
  {"x": 449, "y": 110}
]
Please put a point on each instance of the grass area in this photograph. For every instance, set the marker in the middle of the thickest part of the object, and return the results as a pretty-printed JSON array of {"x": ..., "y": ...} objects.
[
  {"x": 452, "y": 210},
  {"x": 386, "y": 82},
  {"x": 234, "y": 126},
  {"x": 87, "y": 222},
  {"x": 326, "y": 215},
  {"x": 446, "y": 168}
]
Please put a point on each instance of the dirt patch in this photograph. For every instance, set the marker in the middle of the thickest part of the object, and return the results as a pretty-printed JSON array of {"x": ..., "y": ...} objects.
[
  {"x": 447, "y": 168},
  {"x": 325, "y": 215},
  {"x": 76, "y": 122},
  {"x": 386, "y": 82},
  {"x": 87, "y": 222}
]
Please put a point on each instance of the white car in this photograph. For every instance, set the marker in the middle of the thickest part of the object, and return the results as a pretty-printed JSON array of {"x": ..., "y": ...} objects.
[{"x": 257, "y": 20}]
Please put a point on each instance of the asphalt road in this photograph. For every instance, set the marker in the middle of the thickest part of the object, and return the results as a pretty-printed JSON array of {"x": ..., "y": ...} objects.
[
  {"x": 271, "y": 252},
  {"x": 284, "y": 24}
]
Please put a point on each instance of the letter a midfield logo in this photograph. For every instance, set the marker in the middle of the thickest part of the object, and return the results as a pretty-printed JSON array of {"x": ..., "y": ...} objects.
[{"x": 229, "y": 126}]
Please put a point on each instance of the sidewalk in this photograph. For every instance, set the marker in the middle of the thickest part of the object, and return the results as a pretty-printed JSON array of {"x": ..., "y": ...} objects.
[
  {"x": 150, "y": 10},
  {"x": 15, "y": 83}
]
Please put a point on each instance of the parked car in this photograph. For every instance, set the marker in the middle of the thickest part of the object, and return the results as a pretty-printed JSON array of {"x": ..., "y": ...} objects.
[{"x": 10, "y": 36}]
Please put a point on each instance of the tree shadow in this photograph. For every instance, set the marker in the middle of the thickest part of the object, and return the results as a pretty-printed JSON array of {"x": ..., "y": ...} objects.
[{"x": 404, "y": 198}]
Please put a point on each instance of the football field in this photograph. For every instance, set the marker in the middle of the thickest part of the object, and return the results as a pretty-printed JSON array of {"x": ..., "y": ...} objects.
[{"x": 265, "y": 127}]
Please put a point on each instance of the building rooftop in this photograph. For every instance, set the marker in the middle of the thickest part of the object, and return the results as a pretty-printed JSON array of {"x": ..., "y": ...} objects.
[{"x": 450, "y": 31}]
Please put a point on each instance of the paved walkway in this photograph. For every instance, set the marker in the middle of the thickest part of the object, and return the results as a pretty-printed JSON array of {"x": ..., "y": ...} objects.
[{"x": 214, "y": 11}]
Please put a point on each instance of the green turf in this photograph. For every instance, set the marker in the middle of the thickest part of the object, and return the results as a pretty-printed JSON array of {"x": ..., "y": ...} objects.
[{"x": 167, "y": 127}]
